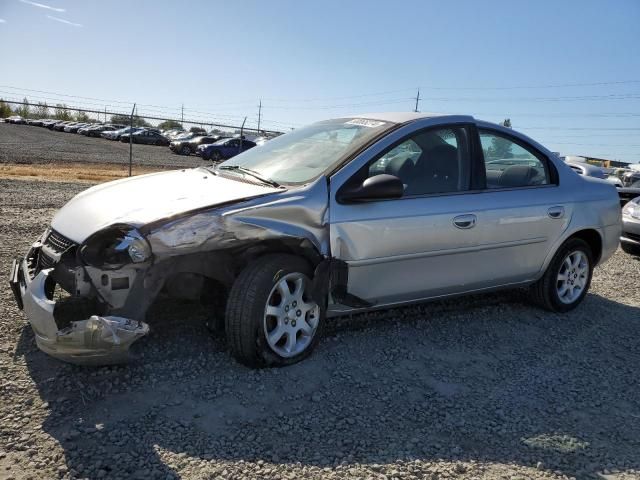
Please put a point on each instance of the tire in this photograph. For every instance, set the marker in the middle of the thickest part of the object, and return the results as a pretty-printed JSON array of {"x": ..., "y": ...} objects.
[
  {"x": 246, "y": 320},
  {"x": 158, "y": 143},
  {"x": 546, "y": 291},
  {"x": 186, "y": 150},
  {"x": 215, "y": 156},
  {"x": 630, "y": 248}
]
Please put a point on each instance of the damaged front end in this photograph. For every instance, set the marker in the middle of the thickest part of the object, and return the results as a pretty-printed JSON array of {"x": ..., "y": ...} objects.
[{"x": 72, "y": 319}]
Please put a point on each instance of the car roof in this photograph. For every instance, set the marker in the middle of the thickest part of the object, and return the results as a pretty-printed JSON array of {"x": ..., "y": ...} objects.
[{"x": 403, "y": 117}]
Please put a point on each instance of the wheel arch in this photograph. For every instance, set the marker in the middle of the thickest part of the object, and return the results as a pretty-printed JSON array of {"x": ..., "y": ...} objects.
[
  {"x": 591, "y": 235},
  {"x": 593, "y": 238}
]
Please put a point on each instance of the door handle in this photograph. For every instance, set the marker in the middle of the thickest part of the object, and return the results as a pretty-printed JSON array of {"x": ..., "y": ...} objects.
[
  {"x": 556, "y": 212},
  {"x": 465, "y": 221}
]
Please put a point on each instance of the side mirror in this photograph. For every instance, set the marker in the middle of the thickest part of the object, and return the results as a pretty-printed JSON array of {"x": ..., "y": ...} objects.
[{"x": 378, "y": 187}]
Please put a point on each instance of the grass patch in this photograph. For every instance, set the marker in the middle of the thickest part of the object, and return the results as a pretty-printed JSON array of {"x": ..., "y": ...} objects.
[{"x": 72, "y": 172}]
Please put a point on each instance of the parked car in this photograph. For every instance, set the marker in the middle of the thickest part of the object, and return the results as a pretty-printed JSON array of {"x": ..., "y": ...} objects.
[
  {"x": 60, "y": 126},
  {"x": 337, "y": 217},
  {"x": 147, "y": 137},
  {"x": 116, "y": 134},
  {"x": 630, "y": 238},
  {"x": 84, "y": 129},
  {"x": 96, "y": 130},
  {"x": 627, "y": 194},
  {"x": 583, "y": 168},
  {"x": 223, "y": 149},
  {"x": 187, "y": 146},
  {"x": 15, "y": 119},
  {"x": 49, "y": 123},
  {"x": 75, "y": 127}
]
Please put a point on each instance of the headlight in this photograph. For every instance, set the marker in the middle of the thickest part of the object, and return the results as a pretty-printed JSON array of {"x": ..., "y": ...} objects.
[
  {"x": 631, "y": 209},
  {"x": 114, "y": 247}
]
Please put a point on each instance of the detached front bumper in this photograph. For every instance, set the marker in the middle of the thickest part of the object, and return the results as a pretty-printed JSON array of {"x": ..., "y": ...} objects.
[{"x": 96, "y": 340}]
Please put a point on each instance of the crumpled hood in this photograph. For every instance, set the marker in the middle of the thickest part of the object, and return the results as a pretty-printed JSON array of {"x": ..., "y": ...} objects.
[{"x": 139, "y": 200}]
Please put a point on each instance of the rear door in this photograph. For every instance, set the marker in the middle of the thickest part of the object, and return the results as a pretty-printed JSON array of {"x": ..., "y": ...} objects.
[{"x": 521, "y": 212}]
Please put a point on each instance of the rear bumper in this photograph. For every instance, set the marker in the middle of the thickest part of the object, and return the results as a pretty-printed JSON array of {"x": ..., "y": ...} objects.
[{"x": 96, "y": 340}]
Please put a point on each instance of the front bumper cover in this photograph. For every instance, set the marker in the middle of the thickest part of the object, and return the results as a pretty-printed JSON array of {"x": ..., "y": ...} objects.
[{"x": 97, "y": 340}]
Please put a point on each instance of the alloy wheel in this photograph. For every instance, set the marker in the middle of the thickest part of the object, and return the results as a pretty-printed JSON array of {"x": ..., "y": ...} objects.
[
  {"x": 572, "y": 277},
  {"x": 291, "y": 317}
]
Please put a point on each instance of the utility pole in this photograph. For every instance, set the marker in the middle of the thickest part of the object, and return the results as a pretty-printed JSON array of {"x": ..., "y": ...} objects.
[
  {"x": 131, "y": 139},
  {"x": 259, "y": 115},
  {"x": 417, "y": 100},
  {"x": 105, "y": 114},
  {"x": 182, "y": 115}
]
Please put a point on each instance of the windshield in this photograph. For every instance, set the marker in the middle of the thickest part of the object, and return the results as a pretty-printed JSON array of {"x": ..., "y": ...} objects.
[{"x": 304, "y": 154}]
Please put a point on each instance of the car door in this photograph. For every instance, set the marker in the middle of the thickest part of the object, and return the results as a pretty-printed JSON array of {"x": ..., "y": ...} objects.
[
  {"x": 521, "y": 211},
  {"x": 424, "y": 243}
]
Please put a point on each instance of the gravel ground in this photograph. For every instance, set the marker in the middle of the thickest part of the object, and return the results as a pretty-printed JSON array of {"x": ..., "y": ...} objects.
[
  {"x": 483, "y": 387},
  {"x": 28, "y": 144}
]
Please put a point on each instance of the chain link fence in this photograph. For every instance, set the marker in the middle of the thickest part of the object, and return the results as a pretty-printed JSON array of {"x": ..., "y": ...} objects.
[{"x": 30, "y": 149}]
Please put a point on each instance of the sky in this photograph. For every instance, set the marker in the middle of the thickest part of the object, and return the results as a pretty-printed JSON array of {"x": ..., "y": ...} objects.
[{"x": 567, "y": 73}]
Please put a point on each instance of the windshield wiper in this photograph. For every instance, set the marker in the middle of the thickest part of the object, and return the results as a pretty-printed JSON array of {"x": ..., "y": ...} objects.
[{"x": 252, "y": 173}]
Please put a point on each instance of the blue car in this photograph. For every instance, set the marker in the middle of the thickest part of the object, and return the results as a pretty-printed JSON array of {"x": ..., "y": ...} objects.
[{"x": 223, "y": 149}]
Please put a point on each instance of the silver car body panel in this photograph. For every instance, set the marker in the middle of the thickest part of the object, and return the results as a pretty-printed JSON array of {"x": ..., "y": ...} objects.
[
  {"x": 408, "y": 249},
  {"x": 395, "y": 251},
  {"x": 143, "y": 199}
]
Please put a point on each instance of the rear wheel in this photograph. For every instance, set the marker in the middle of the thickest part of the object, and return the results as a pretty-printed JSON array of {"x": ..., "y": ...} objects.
[
  {"x": 630, "y": 248},
  {"x": 271, "y": 317},
  {"x": 567, "y": 279},
  {"x": 186, "y": 150},
  {"x": 215, "y": 156}
]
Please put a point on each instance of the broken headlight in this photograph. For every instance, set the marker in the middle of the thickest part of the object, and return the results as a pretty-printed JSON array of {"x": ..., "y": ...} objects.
[{"x": 114, "y": 247}]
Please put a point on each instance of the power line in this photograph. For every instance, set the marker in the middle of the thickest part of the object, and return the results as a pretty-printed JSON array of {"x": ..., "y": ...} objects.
[{"x": 531, "y": 87}]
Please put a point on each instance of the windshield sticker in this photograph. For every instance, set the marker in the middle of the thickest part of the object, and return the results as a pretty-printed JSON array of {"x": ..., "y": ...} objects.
[{"x": 363, "y": 122}]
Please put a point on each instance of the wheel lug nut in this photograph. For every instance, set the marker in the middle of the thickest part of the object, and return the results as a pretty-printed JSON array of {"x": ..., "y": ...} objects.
[
  {"x": 298, "y": 313},
  {"x": 294, "y": 304},
  {"x": 286, "y": 308}
]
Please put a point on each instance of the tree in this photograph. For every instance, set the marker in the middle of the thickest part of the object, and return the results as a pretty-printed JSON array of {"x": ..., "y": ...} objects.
[
  {"x": 506, "y": 123},
  {"x": 61, "y": 112},
  {"x": 5, "y": 110},
  {"x": 170, "y": 124},
  {"x": 500, "y": 148},
  {"x": 41, "y": 110},
  {"x": 23, "y": 110},
  {"x": 197, "y": 130},
  {"x": 126, "y": 120},
  {"x": 82, "y": 117}
]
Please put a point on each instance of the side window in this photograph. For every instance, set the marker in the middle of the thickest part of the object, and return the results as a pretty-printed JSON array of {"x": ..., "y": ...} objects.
[
  {"x": 429, "y": 161},
  {"x": 509, "y": 165}
]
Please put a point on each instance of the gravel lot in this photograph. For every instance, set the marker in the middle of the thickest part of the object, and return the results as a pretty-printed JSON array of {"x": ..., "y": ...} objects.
[
  {"x": 484, "y": 387},
  {"x": 28, "y": 144}
]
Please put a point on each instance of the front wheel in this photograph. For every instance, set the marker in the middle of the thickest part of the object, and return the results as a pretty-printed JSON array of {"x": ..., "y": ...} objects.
[
  {"x": 271, "y": 317},
  {"x": 185, "y": 150},
  {"x": 567, "y": 279},
  {"x": 215, "y": 156}
]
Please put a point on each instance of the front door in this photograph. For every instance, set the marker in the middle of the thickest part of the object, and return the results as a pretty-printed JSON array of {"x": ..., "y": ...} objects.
[{"x": 422, "y": 244}]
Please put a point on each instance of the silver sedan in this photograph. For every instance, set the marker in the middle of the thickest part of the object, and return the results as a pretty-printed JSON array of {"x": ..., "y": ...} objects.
[{"x": 344, "y": 215}]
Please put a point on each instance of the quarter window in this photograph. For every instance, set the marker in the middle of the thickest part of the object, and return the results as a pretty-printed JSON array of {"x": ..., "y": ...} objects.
[
  {"x": 508, "y": 164},
  {"x": 428, "y": 162}
]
